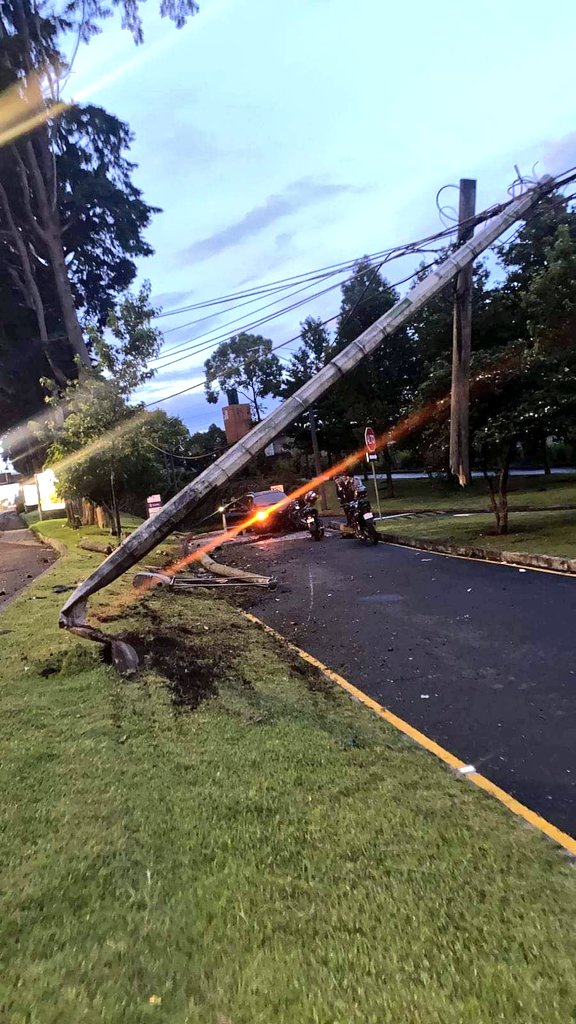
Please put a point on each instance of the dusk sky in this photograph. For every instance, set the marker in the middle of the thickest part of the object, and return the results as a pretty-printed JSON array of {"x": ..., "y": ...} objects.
[{"x": 281, "y": 137}]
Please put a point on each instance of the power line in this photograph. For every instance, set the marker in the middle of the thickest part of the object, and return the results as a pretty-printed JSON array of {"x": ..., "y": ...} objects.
[
  {"x": 385, "y": 255},
  {"x": 181, "y": 345},
  {"x": 187, "y": 458},
  {"x": 196, "y": 349},
  {"x": 329, "y": 270},
  {"x": 192, "y": 348},
  {"x": 282, "y": 283},
  {"x": 210, "y": 378},
  {"x": 410, "y": 248}
]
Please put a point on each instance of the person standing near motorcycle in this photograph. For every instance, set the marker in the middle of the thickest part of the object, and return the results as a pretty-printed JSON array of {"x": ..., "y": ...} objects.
[
  {"x": 353, "y": 498},
  {"x": 346, "y": 492}
]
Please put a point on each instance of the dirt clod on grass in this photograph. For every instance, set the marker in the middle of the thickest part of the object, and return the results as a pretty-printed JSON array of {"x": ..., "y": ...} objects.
[{"x": 192, "y": 671}]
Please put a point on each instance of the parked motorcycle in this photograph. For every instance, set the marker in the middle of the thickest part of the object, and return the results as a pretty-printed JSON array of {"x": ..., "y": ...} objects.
[
  {"x": 304, "y": 515},
  {"x": 360, "y": 516}
]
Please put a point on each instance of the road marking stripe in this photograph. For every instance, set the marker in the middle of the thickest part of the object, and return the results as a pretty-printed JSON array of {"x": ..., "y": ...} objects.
[
  {"x": 550, "y": 830},
  {"x": 479, "y": 561}
]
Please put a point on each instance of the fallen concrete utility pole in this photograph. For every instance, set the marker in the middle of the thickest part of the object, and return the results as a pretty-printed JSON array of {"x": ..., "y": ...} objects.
[{"x": 166, "y": 521}]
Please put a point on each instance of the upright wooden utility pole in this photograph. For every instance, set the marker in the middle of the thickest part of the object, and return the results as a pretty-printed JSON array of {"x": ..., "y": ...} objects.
[{"x": 462, "y": 341}]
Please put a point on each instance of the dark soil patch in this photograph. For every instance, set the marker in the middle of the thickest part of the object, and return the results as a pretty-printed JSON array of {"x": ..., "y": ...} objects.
[
  {"x": 315, "y": 680},
  {"x": 192, "y": 672}
]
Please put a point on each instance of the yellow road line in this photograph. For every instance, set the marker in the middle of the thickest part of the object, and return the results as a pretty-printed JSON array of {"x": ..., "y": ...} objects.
[
  {"x": 479, "y": 561},
  {"x": 550, "y": 830}
]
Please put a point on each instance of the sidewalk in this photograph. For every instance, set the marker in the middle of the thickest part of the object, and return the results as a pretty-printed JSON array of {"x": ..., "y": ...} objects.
[{"x": 22, "y": 557}]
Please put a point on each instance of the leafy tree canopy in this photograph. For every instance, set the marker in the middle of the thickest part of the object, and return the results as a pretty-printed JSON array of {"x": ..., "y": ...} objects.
[{"x": 246, "y": 363}]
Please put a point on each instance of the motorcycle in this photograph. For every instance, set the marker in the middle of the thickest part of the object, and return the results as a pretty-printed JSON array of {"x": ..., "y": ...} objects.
[
  {"x": 360, "y": 516},
  {"x": 303, "y": 515}
]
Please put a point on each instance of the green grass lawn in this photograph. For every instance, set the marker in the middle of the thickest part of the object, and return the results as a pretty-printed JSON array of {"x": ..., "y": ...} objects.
[
  {"x": 543, "y": 533},
  {"x": 533, "y": 492},
  {"x": 530, "y": 492},
  {"x": 273, "y": 854},
  {"x": 128, "y": 522}
]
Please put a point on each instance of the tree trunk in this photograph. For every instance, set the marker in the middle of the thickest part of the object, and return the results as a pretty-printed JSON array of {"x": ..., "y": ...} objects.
[
  {"x": 499, "y": 496},
  {"x": 545, "y": 457},
  {"x": 27, "y": 285},
  {"x": 503, "y": 488},
  {"x": 49, "y": 230},
  {"x": 64, "y": 291},
  {"x": 88, "y": 512},
  {"x": 388, "y": 471},
  {"x": 38, "y": 180},
  {"x": 74, "y": 513},
  {"x": 103, "y": 517},
  {"x": 493, "y": 500},
  {"x": 256, "y": 406},
  {"x": 116, "y": 527}
]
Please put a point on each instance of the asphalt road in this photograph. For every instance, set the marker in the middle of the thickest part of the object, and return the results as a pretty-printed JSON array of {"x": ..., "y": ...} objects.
[
  {"x": 22, "y": 557},
  {"x": 479, "y": 657}
]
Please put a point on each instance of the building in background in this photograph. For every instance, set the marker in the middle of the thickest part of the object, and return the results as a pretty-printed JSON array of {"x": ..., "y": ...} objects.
[
  {"x": 10, "y": 484},
  {"x": 237, "y": 418}
]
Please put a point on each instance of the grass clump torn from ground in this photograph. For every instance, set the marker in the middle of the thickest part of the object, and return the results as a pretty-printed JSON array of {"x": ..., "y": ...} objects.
[{"x": 269, "y": 852}]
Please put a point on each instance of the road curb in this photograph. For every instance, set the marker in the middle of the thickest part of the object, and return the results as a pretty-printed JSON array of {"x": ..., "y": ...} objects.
[
  {"x": 50, "y": 542},
  {"x": 484, "y": 511},
  {"x": 518, "y": 559}
]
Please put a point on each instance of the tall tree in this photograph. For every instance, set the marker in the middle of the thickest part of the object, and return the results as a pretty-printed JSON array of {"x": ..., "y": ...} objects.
[
  {"x": 103, "y": 217},
  {"x": 131, "y": 343},
  {"x": 245, "y": 363},
  {"x": 103, "y": 214},
  {"x": 118, "y": 449},
  {"x": 37, "y": 204},
  {"x": 526, "y": 255},
  {"x": 379, "y": 390},
  {"x": 431, "y": 329},
  {"x": 365, "y": 297},
  {"x": 525, "y": 390},
  {"x": 308, "y": 359}
]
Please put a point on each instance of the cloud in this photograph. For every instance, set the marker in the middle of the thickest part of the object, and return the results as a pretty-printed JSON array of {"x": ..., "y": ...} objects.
[
  {"x": 559, "y": 154},
  {"x": 173, "y": 376},
  {"x": 167, "y": 300},
  {"x": 296, "y": 196},
  {"x": 283, "y": 240},
  {"x": 283, "y": 253}
]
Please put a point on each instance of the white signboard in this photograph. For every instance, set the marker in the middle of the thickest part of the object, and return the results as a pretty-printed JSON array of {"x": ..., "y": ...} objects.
[
  {"x": 154, "y": 504},
  {"x": 49, "y": 499}
]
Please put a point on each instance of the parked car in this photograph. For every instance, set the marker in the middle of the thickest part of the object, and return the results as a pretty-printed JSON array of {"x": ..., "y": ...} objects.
[{"x": 260, "y": 506}]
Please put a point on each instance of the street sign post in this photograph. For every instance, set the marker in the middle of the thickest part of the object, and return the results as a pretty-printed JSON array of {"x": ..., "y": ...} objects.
[
  {"x": 371, "y": 457},
  {"x": 370, "y": 440}
]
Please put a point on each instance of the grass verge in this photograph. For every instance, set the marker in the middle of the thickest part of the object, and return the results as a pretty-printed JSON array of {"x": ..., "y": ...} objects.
[
  {"x": 543, "y": 533},
  {"x": 247, "y": 846},
  {"x": 530, "y": 492}
]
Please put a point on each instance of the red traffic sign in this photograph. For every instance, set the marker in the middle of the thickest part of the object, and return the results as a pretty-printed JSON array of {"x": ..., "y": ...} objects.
[{"x": 370, "y": 439}]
